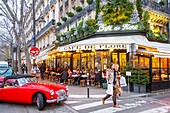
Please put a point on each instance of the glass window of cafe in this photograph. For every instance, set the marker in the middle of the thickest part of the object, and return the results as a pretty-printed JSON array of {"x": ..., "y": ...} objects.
[
  {"x": 84, "y": 61},
  {"x": 63, "y": 60},
  {"x": 159, "y": 69},
  {"x": 119, "y": 58},
  {"x": 101, "y": 59}
]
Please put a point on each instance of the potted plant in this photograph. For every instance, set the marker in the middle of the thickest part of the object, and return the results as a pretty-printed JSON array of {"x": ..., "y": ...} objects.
[
  {"x": 64, "y": 19},
  {"x": 78, "y": 8},
  {"x": 70, "y": 14},
  {"x": 58, "y": 23},
  {"x": 139, "y": 79}
]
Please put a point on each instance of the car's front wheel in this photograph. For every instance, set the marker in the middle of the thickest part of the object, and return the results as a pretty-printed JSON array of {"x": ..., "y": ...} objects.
[{"x": 40, "y": 101}]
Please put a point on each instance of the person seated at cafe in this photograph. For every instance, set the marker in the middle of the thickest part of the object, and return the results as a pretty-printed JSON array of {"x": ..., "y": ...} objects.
[
  {"x": 69, "y": 73},
  {"x": 64, "y": 77},
  {"x": 163, "y": 75},
  {"x": 98, "y": 78},
  {"x": 59, "y": 69}
]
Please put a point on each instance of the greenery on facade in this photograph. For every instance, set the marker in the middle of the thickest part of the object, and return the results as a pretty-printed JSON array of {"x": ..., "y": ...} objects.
[
  {"x": 78, "y": 8},
  {"x": 97, "y": 8},
  {"x": 117, "y": 12},
  {"x": 58, "y": 23},
  {"x": 70, "y": 14},
  {"x": 143, "y": 25},
  {"x": 64, "y": 19},
  {"x": 89, "y": 1},
  {"x": 79, "y": 32},
  {"x": 162, "y": 2},
  {"x": 139, "y": 8}
]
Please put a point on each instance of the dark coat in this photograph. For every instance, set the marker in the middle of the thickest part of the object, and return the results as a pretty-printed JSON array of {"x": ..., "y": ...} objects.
[
  {"x": 42, "y": 68},
  {"x": 65, "y": 75},
  {"x": 98, "y": 77}
]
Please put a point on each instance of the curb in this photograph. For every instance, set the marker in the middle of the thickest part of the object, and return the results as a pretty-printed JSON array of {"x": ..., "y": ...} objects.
[{"x": 157, "y": 93}]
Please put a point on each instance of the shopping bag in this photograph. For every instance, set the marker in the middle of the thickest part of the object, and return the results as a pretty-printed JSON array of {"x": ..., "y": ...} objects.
[{"x": 123, "y": 82}]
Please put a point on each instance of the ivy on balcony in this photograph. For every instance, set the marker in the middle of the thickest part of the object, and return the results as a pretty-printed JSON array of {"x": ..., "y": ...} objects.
[{"x": 78, "y": 8}]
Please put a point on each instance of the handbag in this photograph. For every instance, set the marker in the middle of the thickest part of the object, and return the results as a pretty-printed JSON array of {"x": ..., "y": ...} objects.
[{"x": 119, "y": 90}]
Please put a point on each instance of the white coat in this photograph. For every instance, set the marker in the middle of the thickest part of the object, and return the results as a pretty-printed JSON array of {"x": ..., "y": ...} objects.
[{"x": 109, "y": 78}]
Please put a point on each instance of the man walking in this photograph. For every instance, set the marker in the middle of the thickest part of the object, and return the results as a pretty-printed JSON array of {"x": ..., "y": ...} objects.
[{"x": 42, "y": 70}]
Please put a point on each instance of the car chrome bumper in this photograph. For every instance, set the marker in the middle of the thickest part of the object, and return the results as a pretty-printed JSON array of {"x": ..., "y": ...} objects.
[{"x": 59, "y": 99}]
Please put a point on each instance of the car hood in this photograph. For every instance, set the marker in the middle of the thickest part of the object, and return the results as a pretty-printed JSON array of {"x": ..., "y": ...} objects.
[{"x": 44, "y": 86}]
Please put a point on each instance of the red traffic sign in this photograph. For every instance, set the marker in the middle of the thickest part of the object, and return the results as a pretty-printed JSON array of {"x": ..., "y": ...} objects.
[{"x": 34, "y": 51}]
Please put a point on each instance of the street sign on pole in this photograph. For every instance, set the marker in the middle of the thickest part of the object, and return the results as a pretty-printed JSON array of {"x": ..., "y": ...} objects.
[
  {"x": 128, "y": 73},
  {"x": 34, "y": 51}
]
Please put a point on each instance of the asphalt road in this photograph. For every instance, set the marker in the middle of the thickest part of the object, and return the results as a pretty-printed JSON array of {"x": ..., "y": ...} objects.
[{"x": 156, "y": 104}]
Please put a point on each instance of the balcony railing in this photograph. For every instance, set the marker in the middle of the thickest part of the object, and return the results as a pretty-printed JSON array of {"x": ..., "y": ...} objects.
[
  {"x": 29, "y": 42},
  {"x": 156, "y": 6},
  {"x": 51, "y": 23},
  {"x": 78, "y": 16}
]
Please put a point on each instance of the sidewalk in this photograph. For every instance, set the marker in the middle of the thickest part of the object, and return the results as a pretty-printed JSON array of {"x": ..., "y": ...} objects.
[{"x": 94, "y": 92}]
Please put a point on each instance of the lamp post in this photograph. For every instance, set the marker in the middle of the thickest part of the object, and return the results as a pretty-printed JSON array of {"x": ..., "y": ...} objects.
[{"x": 40, "y": 19}]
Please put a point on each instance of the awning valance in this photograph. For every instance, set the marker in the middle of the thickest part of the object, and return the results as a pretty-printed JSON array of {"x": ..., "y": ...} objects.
[
  {"x": 155, "y": 54},
  {"x": 114, "y": 42},
  {"x": 161, "y": 47}
]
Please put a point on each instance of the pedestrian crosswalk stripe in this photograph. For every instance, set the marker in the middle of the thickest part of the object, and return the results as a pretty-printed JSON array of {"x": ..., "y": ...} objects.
[
  {"x": 85, "y": 96},
  {"x": 89, "y": 105},
  {"x": 162, "y": 109},
  {"x": 122, "y": 107},
  {"x": 72, "y": 102}
]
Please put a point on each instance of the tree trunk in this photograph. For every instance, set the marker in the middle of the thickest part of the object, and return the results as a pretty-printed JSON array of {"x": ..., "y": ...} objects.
[
  {"x": 19, "y": 60},
  {"x": 28, "y": 61}
]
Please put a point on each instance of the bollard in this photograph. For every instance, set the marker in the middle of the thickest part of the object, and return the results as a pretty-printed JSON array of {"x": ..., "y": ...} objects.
[{"x": 87, "y": 85}]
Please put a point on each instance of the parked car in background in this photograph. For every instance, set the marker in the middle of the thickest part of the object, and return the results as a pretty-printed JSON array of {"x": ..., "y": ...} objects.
[
  {"x": 5, "y": 69},
  {"x": 25, "y": 89}
]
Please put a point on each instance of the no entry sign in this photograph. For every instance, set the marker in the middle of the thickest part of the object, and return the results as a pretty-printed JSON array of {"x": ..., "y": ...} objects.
[{"x": 34, "y": 51}]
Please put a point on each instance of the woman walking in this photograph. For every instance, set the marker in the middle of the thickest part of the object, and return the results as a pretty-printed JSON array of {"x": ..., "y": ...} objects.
[{"x": 113, "y": 83}]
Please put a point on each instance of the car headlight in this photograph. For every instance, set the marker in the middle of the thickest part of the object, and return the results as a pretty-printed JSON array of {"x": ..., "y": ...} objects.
[
  {"x": 67, "y": 88},
  {"x": 51, "y": 92}
]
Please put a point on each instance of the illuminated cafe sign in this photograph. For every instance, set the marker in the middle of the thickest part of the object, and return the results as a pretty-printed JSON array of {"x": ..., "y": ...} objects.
[
  {"x": 91, "y": 47},
  {"x": 105, "y": 28}
]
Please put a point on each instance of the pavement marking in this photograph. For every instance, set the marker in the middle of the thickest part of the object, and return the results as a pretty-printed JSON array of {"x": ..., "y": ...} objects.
[
  {"x": 85, "y": 96},
  {"x": 71, "y": 102},
  {"x": 122, "y": 107},
  {"x": 89, "y": 105},
  {"x": 163, "y": 109}
]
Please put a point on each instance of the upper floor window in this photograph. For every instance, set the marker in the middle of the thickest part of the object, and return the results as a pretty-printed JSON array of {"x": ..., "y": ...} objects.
[
  {"x": 54, "y": 14},
  {"x": 47, "y": 18}
]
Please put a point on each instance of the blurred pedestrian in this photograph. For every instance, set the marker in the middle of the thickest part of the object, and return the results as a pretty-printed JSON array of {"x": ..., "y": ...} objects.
[{"x": 42, "y": 70}]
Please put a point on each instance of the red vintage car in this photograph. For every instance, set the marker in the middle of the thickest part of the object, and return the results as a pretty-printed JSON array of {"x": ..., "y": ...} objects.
[{"x": 25, "y": 89}]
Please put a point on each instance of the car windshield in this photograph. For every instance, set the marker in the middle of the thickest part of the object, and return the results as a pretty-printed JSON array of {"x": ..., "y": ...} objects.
[{"x": 22, "y": 81}]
